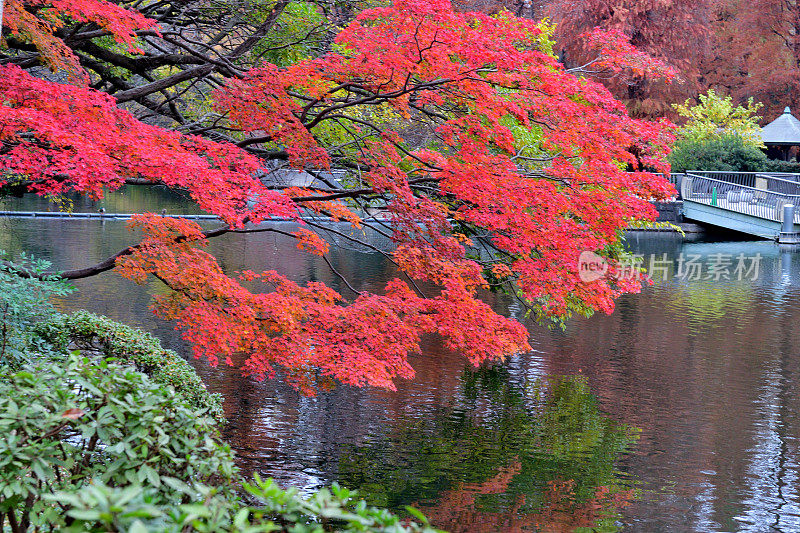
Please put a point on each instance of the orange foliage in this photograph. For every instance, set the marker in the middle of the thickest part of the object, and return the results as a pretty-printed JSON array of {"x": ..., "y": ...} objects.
[
  {"x": 677, "y": 32},
  {"x": 37, "y": 21}
]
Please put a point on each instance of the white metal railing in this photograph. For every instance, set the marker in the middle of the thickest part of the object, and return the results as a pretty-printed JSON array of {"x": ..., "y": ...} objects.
[{"x": 756, "y": 194}]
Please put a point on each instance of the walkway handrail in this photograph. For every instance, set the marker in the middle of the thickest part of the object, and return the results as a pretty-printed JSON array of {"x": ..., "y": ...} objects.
[
  {"x": 780, "y": 182},
  {"x": 773, "y": 175},
  {"x": 693, "y": 174},
  {"x": 727, "y": 194}
]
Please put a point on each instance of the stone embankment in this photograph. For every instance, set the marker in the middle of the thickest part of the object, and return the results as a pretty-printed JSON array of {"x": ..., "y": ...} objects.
[{"x": 672, "y": 212}]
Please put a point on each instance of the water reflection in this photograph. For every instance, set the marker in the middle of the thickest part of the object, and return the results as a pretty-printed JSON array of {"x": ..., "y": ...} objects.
[
  {"x": 501, "y": 456},
  {"x": 707, "y": 368},
  {"x": 127, "y": 199}
]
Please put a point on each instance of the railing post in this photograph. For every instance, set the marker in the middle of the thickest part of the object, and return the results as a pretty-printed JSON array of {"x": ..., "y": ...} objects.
[
  {"x": 788, "y": 235},
  {"x": 686, "y": 187},
  {"x": 788, "y": 218}
]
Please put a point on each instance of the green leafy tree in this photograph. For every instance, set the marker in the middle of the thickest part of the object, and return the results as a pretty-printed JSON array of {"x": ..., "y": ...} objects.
[
  {"x": 716, "y": 117},
  {"x": 718, "y": 136}
]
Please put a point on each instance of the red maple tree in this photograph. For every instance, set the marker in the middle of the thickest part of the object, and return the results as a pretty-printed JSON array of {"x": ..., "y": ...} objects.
[
  {"x": 38, "y": 21},
  {"x": 492, "y": 166}
]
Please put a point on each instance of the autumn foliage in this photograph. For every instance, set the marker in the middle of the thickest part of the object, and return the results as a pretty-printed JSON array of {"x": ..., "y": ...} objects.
[
  {"x": 492, "y": 166},
  {"x": 675, "y": 31},
  {"x": 756, "y": 53},
  {"x": 38, "y": 21}
]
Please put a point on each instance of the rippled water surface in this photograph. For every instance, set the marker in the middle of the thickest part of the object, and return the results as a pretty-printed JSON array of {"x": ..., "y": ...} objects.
[{"x": 678, "y": 412}]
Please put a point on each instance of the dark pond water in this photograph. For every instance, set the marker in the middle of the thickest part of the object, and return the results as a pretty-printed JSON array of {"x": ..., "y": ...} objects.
[{"x": 678, "y": 412}]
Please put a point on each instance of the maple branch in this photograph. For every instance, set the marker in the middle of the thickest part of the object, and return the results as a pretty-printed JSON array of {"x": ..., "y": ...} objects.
[
  {"x": 317, "y": 100},
  {"x": 339, "y": 275},
  {"x": 292, "y": 43},
  {"x": 359, "y": 192},
  {"x": 371, "y": 247},
  {"x": 110, "y": 262},
  {"x": 372, "y": 98},
  {"x": 351, "y": 239},
  {"x": 261, "y": 30},
  {"x": 205, "y": 64},
  {"x": 163, "y": 83}
]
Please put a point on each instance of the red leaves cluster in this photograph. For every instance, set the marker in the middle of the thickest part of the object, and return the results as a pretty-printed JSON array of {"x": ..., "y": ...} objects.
[
  {"x": 485, "y": 66},
  {"x": 64, "y": 138},
  {"x": 37, "y": 21},
  {"x": 304, "y": 330},
  {"x": 616, "y": 53},
  {"x": 259, "y": 103}
]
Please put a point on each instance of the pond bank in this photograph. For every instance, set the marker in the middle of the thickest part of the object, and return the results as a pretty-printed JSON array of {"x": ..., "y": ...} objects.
[{"x": 672, "y": 213}]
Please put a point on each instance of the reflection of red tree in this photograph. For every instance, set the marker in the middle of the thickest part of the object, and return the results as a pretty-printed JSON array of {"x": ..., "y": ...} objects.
[{"x": 456, "y": 509}]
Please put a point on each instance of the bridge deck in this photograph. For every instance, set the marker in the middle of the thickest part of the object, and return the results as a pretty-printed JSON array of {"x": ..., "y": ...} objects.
[{"x": 748, "y": 202}]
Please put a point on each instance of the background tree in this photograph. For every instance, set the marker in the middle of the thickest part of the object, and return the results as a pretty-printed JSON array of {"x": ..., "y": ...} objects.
[
  {"x": 715, "y": 116},
  {"x": 458, "y": 130},
  {"x": 718, "y": 136},
  {"x": 676, "y": 31},
  {"x": 756, "y": 52}
]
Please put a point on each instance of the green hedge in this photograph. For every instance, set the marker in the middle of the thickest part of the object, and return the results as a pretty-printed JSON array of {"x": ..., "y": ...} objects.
[
  {"x": 96, "y": 446},
  {"x": 728, "y": 153},
  {"x": 74, "y": 422},
  {"x": 103, "y": 336},
  {"x": 776, "y": 165}
]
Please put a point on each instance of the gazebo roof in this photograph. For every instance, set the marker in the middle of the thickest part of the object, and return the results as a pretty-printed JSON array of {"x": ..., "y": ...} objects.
[{"x": 784, "y": 130}]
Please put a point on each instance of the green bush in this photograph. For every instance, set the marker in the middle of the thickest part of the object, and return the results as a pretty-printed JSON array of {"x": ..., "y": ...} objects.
[
  {"x": 24, "y": 301},
  {"x": 776, "y": 165},
  {"x": 30, "y": 327},
  {"x": 726, "y": 153},
  {"x": 98, "y": 507},
  {"x": 71, "y": 423},
  {"x": 98, "y": 335},
  {"x": 96, "y": 446}
]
